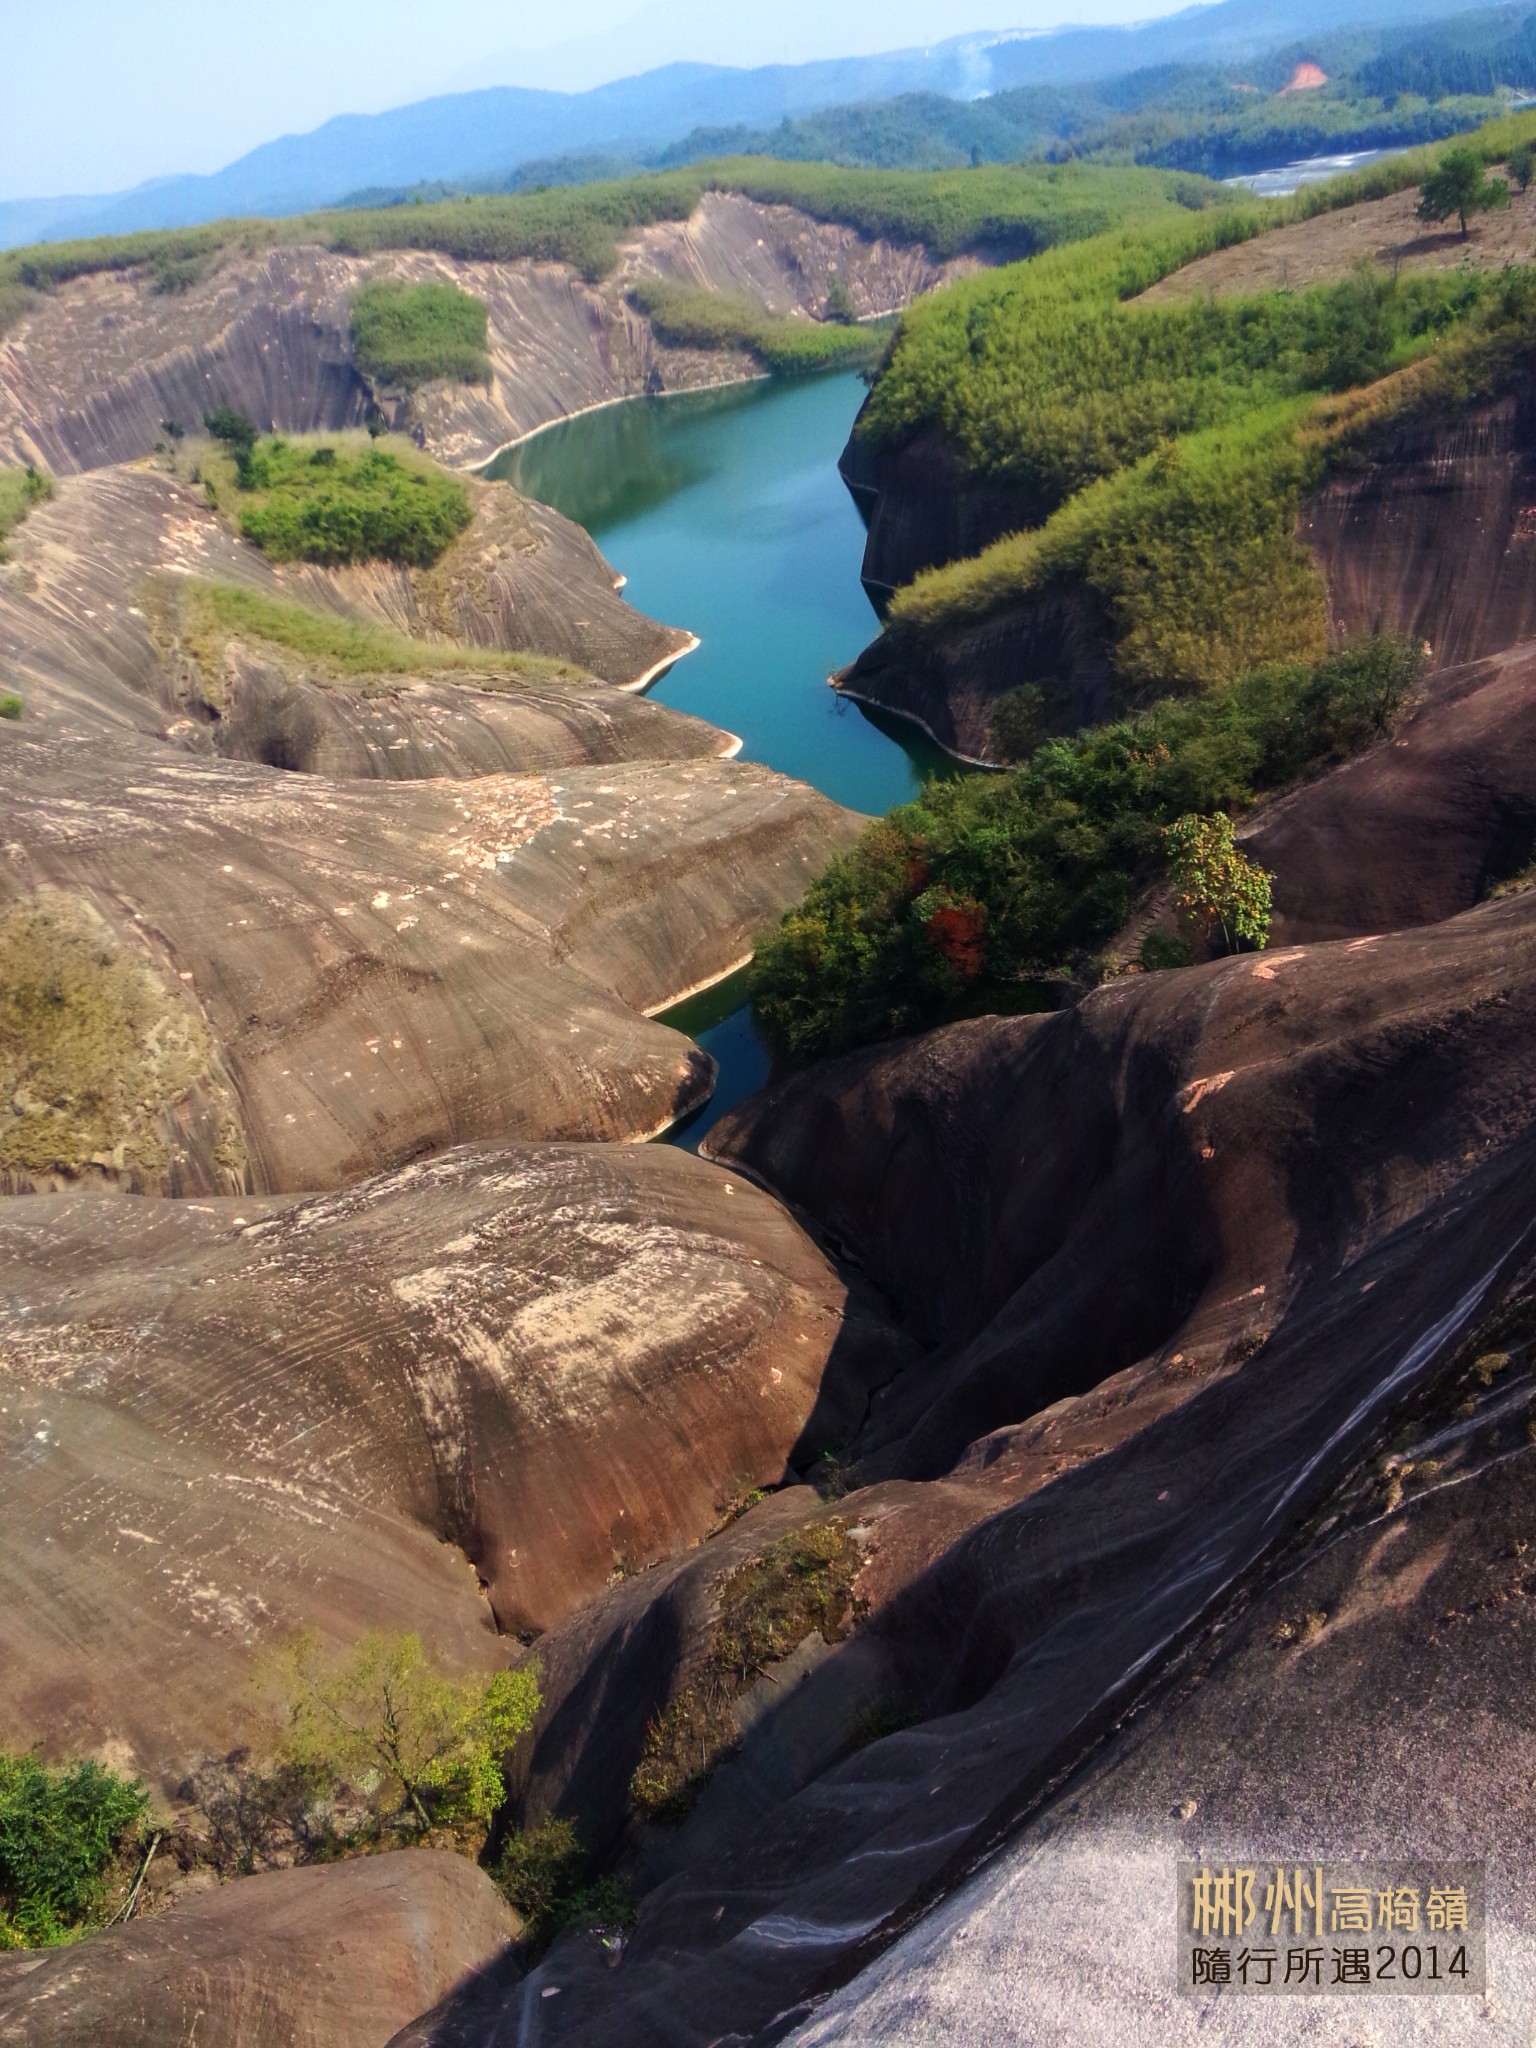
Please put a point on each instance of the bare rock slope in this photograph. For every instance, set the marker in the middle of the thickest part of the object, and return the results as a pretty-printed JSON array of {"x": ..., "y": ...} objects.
[
  {"x": 415, "y": 950},
  {"x": 457, "y": 1400}
]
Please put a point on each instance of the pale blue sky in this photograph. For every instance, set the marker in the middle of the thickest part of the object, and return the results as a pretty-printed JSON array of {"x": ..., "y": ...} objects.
[{"x": 96, "y": 95}]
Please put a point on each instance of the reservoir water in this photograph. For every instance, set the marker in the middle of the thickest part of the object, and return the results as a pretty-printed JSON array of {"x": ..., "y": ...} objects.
[{"x": 726, "y": 513}]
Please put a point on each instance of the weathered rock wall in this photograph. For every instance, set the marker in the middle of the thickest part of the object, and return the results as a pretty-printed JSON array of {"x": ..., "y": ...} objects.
[
  {"x": 1421, "y": 827},
  {"x": 1434, "y": 535},
  {"x": 1429, "y": 534},
  {"x": 1345, "y": 1142},
  {"x": 92, "y": 371}
]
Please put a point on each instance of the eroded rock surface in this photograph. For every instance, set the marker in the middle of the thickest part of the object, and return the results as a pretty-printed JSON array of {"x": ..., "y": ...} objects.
[
  {"x": 1425, "y": 825},
  {"x": 455, "y": 1400},
  {"x": 335, "y": 1957},
  {"x": 1250, "y": 1212},
  {"x": 91, "y": 372},
  {"x": 387, "y": 970},
  {"x": 1372, "y": 1702},
  {"x": 1427, "y": 533},
  {"x": 89, "y": 605},
  {"x": 381, "y": 970}
]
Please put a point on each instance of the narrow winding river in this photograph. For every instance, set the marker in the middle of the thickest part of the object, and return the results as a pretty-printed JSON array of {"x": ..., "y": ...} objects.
[{"x": 726, "y": 513}]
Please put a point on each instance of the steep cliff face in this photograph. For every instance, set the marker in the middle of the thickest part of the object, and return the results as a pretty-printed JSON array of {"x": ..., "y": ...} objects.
[
  {"x": 1433, "y": 534},
  {"x": 922, "y": 509},
  {"x": 1422, "y": 827},
  {"x": 1428, "y": 533},
  {"x": 949, "y": 683},
  {"x": 91, "y": 373}
]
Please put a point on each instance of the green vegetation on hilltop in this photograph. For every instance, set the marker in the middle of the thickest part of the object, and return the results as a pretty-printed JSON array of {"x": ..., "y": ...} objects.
[
  {"x": 61, "y": 1833},
  {"x": 987, "y": 887},
  {"x": 1020, "y": 207},
  {"x": 411, "y": 334},
  {"x": 698, "y": 319},
  {"x": 323, "y": 502},
  {"x": 1158, "y": 453},
  {"x": 201, "y": 617},
  {"x": 1190, "y": 119}
]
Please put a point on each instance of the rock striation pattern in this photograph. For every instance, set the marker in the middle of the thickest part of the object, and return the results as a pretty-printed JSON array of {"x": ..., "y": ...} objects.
[
  {"x": 1255, "y": 1209},
  {"x": 93, "y": 370},
  {"x": 457, "y": 1400}
]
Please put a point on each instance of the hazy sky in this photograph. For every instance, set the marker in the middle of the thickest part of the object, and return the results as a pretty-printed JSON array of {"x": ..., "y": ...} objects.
[{"x": 96, "y": 95}]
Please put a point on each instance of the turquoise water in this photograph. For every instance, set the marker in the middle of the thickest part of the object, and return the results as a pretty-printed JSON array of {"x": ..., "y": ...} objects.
[{"x": 726, "y": 513}]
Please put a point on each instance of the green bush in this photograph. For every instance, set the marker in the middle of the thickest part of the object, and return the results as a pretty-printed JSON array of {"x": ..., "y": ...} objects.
[
  {"x": 547, "y": 1875},
  {"x": 371, "y": 506},
  {"x": 1216, "y": 886},
  {"x": 985, "y": 888},
  {"x": 412, "y": 334},
  {"x": 60, "y": 1833},
  {"x": 10, "y": 704}
]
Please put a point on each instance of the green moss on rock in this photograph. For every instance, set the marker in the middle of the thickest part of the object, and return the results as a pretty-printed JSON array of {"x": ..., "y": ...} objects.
[
  {"x": 94, "y": 1048},
  {"x": 798, "y": 1587}
]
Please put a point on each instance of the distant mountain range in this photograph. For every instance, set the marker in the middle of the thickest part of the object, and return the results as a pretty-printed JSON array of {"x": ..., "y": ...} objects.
[{"x": 465, "y": 138}]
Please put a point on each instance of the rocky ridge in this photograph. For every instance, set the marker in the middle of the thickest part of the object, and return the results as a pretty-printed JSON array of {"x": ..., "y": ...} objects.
[{"x": 90, "y": 374}]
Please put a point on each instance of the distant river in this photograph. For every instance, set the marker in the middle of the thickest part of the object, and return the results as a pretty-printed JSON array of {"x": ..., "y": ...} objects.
[
  {"x": 726, "y": 513},
  {"x": 1312, "y": 170}
]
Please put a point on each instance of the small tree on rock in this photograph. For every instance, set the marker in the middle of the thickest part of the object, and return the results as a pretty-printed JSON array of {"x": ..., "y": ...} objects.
[
  {"x": 1460, "y": 188},
  {"x": 426, "y": 1748},
  {"x": 1216, "y": 885}
]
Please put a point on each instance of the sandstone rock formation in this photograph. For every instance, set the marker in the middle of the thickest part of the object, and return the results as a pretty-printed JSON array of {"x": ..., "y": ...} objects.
[
  {"x": 1425, "y": 825},
  {"x": 87, "y": 608},
  {"x": 1233, "y": 1218},
  {"x": 1428, "y": 534},
  {"x": 90, "y": 373},
  {"x": 457, "y": 1400},
  {"x": 335, "y": 1957},
  {"x": 1371, "y": 1701},
  {"x": 377, "y": 971}
]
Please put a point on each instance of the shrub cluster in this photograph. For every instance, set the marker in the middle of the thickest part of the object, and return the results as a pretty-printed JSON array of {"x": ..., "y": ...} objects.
[
  {"x": 984, "y": 888},
  {"x": 329, "y": 505},
  {"x": 20, "y": 490},
  {"x": 801, "y": 1584},
  {"x": 60, "y": 1834},
  {"x": 412, "y": 334}
]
